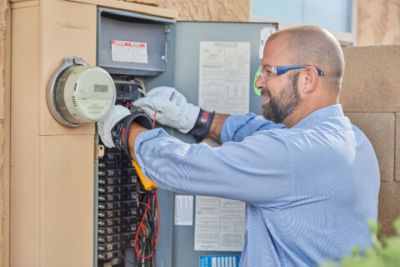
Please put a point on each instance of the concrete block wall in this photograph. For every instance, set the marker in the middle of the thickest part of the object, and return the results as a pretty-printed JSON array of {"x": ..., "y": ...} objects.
[{"x": 371, "y": 98}]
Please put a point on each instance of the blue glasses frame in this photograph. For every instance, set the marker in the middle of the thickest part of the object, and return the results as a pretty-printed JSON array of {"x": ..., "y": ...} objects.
[{"x": 279, "y": 70}]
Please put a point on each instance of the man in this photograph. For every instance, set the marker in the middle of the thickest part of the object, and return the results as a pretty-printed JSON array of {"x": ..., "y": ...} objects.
[{"x": 309, "y": 186}]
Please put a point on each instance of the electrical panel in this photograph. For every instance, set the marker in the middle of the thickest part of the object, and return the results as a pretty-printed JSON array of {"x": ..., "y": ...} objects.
[
  {"x": 141, "y": 52},
  {"x": 131, "y": 47},
  {"x": 121, "y": 197}
]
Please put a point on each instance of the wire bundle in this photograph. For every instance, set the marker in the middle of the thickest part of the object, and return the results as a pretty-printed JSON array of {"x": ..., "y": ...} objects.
[{"x": 146, "y": 237}]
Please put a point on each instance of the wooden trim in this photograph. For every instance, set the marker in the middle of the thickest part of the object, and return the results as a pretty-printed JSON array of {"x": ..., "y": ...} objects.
[
  {"x": 24, "y": 4},
  {"x": 149, "y": 10}
]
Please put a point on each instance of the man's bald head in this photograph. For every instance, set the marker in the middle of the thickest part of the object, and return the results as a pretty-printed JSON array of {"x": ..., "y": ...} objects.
[{"x": 313, "y": 45}]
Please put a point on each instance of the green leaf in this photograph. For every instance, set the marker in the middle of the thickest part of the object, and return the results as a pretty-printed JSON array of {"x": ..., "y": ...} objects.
[
  {"x": 355, "y": 251},
  {"x": 384, "y": 253},
  {"x": 396, "y": 225}
]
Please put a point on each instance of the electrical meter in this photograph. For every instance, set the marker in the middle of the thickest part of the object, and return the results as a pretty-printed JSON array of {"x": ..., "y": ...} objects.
[{"x": 78, "y": 93}]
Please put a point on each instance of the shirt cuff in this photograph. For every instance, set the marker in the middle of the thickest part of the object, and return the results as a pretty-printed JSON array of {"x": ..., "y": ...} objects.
[{"x": 233, "y": 124}]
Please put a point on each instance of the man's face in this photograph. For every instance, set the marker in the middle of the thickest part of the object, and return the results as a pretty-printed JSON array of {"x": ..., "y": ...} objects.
[
  {"x": 282, "y": 104},
  {"x": 281, "y": 93}
]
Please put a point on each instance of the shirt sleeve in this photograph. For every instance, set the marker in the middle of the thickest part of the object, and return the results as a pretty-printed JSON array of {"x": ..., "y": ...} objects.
[
  {"x": 237, "y": 127},
  {"x": 235, "y": 170}
]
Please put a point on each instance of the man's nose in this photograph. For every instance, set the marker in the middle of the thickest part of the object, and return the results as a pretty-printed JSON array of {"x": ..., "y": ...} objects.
[{"x": 260, "y": 83}]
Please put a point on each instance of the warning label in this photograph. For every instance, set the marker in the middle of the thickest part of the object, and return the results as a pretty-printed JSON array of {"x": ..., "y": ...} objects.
[{"x": 126, "y": 51}]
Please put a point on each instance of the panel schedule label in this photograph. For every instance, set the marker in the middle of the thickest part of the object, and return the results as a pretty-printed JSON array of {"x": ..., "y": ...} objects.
[
  {"x": 219, "y": 261},
  {"x": 127, "y": 51}
]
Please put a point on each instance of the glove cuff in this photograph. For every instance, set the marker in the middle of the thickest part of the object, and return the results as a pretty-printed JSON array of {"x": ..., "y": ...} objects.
[
  {"x": 120, "y": 132},
  {"x": 202, "y": 125}
]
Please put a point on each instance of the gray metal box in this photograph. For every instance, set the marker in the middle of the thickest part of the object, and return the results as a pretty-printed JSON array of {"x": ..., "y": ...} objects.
[{"x": 120, "y": 30}]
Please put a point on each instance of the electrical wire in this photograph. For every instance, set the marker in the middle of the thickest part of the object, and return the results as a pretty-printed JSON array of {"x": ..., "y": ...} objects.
[
  {"x": 142, "y": 87},
  {"x": 146, "y": 238}
]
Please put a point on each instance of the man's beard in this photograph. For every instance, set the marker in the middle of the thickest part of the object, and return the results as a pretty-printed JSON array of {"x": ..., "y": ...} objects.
[{"x": 279, "y": 108}]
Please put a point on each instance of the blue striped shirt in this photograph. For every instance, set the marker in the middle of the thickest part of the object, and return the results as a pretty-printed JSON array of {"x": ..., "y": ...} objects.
[{"x": 309, "y": 190}]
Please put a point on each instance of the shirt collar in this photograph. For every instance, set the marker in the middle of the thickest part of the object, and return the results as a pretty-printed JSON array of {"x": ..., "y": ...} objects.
[{"x": 322, "y": 113}]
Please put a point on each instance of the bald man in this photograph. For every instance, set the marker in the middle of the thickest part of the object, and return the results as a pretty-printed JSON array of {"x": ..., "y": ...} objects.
[{"x": 309, "y": 178}]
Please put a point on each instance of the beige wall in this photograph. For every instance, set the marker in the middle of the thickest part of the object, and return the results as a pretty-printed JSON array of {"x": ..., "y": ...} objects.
[
  {"x": 4, "y": 132},
  {"x": 378, "y": 23},
  {"x": 210, "y": 10}
]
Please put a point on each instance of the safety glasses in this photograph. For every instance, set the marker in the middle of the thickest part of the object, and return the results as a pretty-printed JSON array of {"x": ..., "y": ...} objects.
[{"x": 268, "y": 72}]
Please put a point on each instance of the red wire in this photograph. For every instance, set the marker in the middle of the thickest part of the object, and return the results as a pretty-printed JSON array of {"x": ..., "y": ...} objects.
[
  {"x": 154, "y": 119},
  {"x": 157, "y": 220},
  {"x": 135, "y": 244}
]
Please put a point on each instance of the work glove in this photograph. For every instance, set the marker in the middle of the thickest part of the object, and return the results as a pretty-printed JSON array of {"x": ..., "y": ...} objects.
[
  {"x": 113, "y": 129},
  {"x": 171, "y": 108}
]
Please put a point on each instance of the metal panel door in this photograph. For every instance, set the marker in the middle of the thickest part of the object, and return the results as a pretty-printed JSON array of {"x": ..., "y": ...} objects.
[{"x": 188, "y": 36}]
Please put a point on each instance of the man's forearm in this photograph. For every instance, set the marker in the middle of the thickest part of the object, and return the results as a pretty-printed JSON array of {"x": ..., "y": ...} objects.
[
  {"x": 214, "y": 132},
  {"x": 134, "y": 130},
  {"x": 216, "y": 127}
]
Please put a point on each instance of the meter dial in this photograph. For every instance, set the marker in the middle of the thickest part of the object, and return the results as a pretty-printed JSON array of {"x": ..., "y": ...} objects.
[{"x": 79, "y": 93}]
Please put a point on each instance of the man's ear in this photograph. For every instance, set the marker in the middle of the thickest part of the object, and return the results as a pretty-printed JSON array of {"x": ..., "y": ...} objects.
[{"x": 310, "y": 81}]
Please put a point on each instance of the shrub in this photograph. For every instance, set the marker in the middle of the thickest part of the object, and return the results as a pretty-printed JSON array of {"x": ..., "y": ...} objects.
[{"x": 385, "y": 253}]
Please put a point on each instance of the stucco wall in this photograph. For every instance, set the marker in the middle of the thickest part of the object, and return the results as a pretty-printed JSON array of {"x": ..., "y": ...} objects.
[
  {"x": 210, "y": 10},
  {"x": 378, "y": 22}
]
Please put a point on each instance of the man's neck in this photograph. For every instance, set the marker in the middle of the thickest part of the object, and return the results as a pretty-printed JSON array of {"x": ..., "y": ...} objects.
[{"x": 304, "y": 110}]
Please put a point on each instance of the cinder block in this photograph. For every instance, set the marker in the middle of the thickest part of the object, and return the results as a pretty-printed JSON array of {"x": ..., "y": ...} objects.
[
  {"x": 371, "y": 81},
  {"x": 380, "y": 129},
  {"x": 389, "y": 206},
  {"x": 397, "y": 143}
]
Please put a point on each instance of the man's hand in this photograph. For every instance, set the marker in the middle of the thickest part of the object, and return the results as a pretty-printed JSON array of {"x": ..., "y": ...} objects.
[
  {"x": 171, "y": 108},
  {"x": 104, "y": 126},
  {"x": 120, "y": 128},
  {"x": 114, "y": 128}
]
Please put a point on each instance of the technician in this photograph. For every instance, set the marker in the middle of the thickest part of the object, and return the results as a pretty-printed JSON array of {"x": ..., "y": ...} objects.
[{"x": 310, "y": 184}]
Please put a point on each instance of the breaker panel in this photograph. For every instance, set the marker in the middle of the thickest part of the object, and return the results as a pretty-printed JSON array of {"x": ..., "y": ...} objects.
[
  {"x": 134, "y": 49},
  {"x": 127, "y": 213}
]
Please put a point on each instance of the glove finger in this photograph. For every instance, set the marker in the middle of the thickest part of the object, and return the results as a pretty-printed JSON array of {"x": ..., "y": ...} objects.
[
  {"x": 105, "y": 125},
  {"x": 148, "y": 110},
  {"x": 150, "y": 104},
  {"x": 104, "y": 135},
  {"x": 162, "y": 91},
  {"x": 144, "y": 102}
]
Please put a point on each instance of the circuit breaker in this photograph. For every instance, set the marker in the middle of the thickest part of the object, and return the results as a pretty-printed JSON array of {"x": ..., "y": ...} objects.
[{"x": 122, "y": 200}]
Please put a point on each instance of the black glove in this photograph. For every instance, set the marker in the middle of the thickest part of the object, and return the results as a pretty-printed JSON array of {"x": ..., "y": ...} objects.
[
  {"x": 202, "y": 125},
  {"x": 120, "y": 132}
]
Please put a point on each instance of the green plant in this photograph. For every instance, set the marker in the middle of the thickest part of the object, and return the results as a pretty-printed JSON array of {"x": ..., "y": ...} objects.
[{"x": 385, "y": 253}]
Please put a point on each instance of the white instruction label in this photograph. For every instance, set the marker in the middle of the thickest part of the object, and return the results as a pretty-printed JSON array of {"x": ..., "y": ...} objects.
[
  {"x": 219, "y": 224},
  {"x": 183, "y": 210},
  {"x": 224, "y": 79},
  {"x": 126, "y": 51}
]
